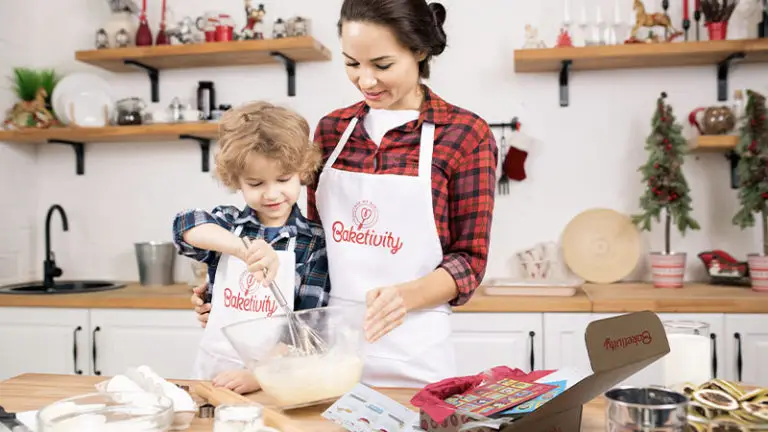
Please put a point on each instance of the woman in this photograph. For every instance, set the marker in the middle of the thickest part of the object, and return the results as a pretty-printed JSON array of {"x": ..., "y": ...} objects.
[{"x": 406, "y": 193}]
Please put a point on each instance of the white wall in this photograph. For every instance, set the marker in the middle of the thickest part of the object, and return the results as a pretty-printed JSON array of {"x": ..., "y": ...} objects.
[{"x": 586, "y": 155}]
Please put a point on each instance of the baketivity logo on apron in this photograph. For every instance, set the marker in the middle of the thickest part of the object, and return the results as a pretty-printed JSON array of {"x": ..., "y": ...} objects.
[
  {"x": 246, "y": 299},
  {"x": 364, "y": 217}
]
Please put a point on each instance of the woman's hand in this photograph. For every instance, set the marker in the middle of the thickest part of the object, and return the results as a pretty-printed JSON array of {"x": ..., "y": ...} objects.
[
  {"x": 386, "y": 310},
  {"x": 202, "y": 309},
  {"x": 261, "y": 256}
]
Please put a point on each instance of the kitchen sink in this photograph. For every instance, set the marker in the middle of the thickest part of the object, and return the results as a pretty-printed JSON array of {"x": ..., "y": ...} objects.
[{"x": 60, "y": 287}]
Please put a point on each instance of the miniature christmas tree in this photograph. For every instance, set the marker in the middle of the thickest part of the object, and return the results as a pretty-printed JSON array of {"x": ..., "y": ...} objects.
[
  {"x": 752, "y": 169},
  {"x": 666, "y": 188}
]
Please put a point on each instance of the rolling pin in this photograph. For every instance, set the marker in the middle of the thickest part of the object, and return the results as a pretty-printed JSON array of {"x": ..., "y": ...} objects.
[{"x": 220, "y": 396}]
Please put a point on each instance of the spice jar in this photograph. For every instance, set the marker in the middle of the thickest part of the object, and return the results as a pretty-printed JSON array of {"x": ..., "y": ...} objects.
[{"x": 690, "y": 353}]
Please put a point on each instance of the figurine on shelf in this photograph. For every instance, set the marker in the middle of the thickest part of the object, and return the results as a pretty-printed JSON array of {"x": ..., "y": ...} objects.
[
  {"x": 563, "y": 39},
  {"x": 279, "y": 29},
  {"x": 643, "y": 19},
  {"x": 254, "y": 26},
  {"x": 724, "y": 269},
  {"x": 102, "y": 39},
  {"x": 532, "y": 38},
  {"x": 31, "y": 114}
]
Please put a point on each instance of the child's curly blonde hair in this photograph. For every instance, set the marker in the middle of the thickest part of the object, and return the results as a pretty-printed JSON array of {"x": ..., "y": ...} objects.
[{"x": 275, "y": 132}]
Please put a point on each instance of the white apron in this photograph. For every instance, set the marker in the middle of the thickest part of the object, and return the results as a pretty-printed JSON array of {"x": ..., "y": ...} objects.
[
  {"x": 380, "y": 231},
  {"x": 235, "y": 298}
]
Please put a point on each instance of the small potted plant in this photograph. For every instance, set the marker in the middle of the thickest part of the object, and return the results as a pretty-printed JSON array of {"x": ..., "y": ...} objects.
[
  {"x": 716, "y": 16},
  {"x": 752, "y": 173},
  {"x": 666, "y": 191}
]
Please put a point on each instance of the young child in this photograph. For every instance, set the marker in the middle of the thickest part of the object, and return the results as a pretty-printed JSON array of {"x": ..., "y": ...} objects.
[{"x": 264, "y": 152}]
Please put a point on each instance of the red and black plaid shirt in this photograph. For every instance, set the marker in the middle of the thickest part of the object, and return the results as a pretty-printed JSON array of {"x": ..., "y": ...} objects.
[{"x": 463, "y": 176}]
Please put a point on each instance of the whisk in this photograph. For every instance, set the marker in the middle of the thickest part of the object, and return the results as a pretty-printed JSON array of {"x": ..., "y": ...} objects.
[{"x": 303, "y": 337}]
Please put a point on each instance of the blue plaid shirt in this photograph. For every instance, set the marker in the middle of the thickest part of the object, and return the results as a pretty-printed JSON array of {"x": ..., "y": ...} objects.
[{"x": 312, "y": 286}]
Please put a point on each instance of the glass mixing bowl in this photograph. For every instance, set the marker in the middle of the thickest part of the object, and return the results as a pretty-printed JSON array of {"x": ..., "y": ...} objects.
[
  {"x": 293, "y": 378},
  {"x": 108, "y": 412}
]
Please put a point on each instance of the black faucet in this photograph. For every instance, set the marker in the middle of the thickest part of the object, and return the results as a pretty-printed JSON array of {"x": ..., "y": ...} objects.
[{"x": 50, "y": 270}]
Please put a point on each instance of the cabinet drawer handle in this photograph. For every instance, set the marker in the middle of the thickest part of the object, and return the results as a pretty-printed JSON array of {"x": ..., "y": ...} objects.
[
  {"x": 531, "y": 335},
  {"x": 714, "y": 354},
  {"x": 96, "y": 370},
  {"x": 74, "y": 350},
  {"x": 739, "y": 360}
]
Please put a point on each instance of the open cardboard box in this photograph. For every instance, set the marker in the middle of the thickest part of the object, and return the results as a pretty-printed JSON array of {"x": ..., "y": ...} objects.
[{"x": 618, "y": 347}]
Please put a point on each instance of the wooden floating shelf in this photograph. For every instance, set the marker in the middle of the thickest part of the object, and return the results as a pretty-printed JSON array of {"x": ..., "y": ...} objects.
[
  {"x": 152, "y": 59},
  {"x": 661, "y": 55},
  {"x": 715, "y": 142},
  {"x": 77, "y": 137}
]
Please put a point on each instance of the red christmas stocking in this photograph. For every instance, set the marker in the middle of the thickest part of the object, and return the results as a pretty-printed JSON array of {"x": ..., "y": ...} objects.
[{"x": 514, "y": 163}]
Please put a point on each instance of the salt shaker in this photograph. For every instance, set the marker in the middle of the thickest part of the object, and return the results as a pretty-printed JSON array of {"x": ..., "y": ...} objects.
[{"x": 240, "y": 418}]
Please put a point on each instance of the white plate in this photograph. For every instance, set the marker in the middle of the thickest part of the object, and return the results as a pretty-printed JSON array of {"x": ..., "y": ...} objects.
[
  {"x": 89, "y": 107},
  {"x": 78, "y": 82}
]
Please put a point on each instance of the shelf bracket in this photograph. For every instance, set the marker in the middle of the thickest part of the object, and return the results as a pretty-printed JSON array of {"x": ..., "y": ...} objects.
[
  {"x": 79, "y": 153},
  {"x": 290, "y": 69},
  {"x": 564, "y": 71},
  {"x": 154, "y": 77},
  {"x": 722, "y": 75},
  {"x": 205, "y": 149},
  {"x": 733, "y": 158}
]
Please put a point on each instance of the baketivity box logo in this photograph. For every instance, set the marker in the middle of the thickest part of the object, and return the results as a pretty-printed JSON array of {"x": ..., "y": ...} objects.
[
  {"x": 251, "y": 297},
  {"x": 364, "y": 217},
  {"x": 623, "y": 342}
]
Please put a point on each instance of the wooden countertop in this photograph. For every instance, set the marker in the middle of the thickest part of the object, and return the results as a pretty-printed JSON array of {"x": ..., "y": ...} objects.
[
  {"x": 621, "y": 297},
  {"x": 33, "y": 391}
]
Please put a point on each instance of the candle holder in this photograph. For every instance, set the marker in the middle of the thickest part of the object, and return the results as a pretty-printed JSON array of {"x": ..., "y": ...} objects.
[
  {"x": 697, "y": 18},
  {"x": 686, "y": 26},
  {"x": 665, "y": 6}
]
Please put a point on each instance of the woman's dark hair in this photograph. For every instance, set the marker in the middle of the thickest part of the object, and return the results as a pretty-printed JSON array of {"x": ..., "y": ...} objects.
[{"x": 416, "y": 24}]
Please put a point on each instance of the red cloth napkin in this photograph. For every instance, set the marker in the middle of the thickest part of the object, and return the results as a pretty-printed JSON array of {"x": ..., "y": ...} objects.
[{"x": 431, "y": 398}]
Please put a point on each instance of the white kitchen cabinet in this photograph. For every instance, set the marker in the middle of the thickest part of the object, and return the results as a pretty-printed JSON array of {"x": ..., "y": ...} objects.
[
  {"x": 485, "y": 340},
  {"x": 564, "y": 344},
  {"x": 43, "y": 340},
  {"x": 165, "y": 340},
  {"x": 746, "y": 341}
]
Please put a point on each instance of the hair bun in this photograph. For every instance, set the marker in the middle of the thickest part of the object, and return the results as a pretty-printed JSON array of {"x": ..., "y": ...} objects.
[{"x": 438, "y": 10}]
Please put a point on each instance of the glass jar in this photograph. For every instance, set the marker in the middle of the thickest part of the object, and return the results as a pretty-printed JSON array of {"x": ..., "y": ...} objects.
[
  {"x": 240, "y": 418},
  {"x": 129, "y": 111},
  {"x": 690, "y": 354}
]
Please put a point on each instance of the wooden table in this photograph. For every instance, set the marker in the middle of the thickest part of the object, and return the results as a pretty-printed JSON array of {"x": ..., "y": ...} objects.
[{"x": 33, "y": 391}]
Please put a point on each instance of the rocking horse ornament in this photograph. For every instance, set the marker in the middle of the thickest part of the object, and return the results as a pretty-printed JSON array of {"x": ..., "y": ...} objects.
[{"x": 643, "y": 19}]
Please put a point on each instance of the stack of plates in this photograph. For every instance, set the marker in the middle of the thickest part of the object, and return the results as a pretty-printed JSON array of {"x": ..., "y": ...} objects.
[{"x": 84, "y": 100}]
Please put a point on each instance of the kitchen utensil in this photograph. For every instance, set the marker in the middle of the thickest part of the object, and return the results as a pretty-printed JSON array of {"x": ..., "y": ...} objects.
[
  {"x": 601, "y": 245},
  {"x": 9, "y": 422},
  {"x": 301, "y": 335},
  {"x": 645, "y": 409},
  {"x": 295, "y": 380},
  {"x": 503, "y": 182},
  {"x": 218, "y": 396},
  {"x": 155, "y": 261},
  {"x": 107, "y": 412}
]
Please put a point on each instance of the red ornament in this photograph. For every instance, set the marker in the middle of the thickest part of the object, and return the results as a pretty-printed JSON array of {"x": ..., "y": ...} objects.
[
  {"x": 669, "y": 146},
  {"x": 765, "y": 195},
  {"x": 656, "y": 165},
  {"x": 564, "y": 39},
  {"x": 663, "y": 119},
  {"x": 666, "y": 141}
]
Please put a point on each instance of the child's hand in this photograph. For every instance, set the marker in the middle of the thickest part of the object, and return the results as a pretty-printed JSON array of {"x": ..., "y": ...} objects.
[
  {"x": 261, "y": 256},
  {"x": 239, "y": 381}
]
